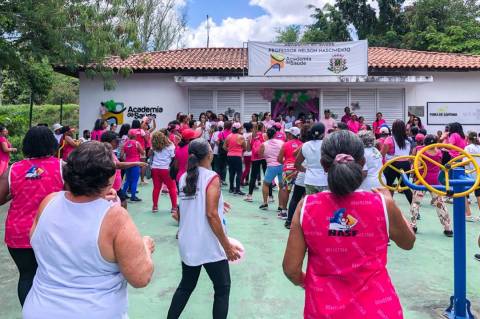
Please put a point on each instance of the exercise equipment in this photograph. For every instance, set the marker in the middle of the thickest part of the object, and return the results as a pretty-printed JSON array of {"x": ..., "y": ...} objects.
[{"x": 455, "y": 184}]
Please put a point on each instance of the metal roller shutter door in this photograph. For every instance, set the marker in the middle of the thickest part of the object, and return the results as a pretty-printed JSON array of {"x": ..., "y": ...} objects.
[
  {"x": 391, "y": 104},
  {"x": 254, "y": 103},
  {"x": 335, "y": 101},
  {"x": 229, "y": 102},
  {"x": 366, "y": 99},
  {"x": 200, "y": 101}
]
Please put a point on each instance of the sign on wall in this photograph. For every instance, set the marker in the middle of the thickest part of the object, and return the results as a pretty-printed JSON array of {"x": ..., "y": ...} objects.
[
  {"x": 116, "y": 112},
  {"x": 465, "y": 113},
  {"x": 286, "y": 59}
]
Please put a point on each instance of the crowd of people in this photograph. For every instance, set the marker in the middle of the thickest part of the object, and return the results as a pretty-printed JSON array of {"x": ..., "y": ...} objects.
[{"x": 76, "y": 247}]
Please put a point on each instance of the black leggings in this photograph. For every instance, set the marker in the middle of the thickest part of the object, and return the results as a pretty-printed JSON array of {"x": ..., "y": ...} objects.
[
  {"x": 234, "y": 172},
  {"x": 222, "y": 166},
  {"x": 255, "y": 174},
  {"x": 219, "y": 274},
  {"x": 26, "y": 263},
  {"x": 391, "y": 176},
  {"x": 298, "y": 193}
]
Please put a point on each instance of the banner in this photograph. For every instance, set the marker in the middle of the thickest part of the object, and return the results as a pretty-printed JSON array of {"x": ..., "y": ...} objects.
[
  {"x": 442, "y": 113},
  {"x": 332, "y": 58},
  {"x": 117, "y": 113}
]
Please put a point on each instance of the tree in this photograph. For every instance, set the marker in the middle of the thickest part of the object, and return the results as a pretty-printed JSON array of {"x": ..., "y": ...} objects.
[
  {"x": 329, "y": 26},
  {"x": 290, "y": 34},
  {"x": 68, "y": 33},
  {"x": 161, "y": 24},
  {"x": 360, "y": 14}
]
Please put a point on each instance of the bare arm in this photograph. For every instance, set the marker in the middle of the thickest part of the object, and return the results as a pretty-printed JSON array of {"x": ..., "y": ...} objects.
[
  {"x": 299, "y": 161},
  {"x": 280, "y": 155},
  {"x": 242, "y": 142},
  {"x": 70, "y": 141},
  {"x": 4, "y": 188},
  {"x": 400, "y": 231},
  {"x": 385, "y": 149},
  {"x": 295, "y": 251},
  {"x": 261, "y": 151},
  {"x": 154, "y": 126},
  {"x": 125, "y": 165},
  {"x": 213, "y": 196},
  {"x": 7, "y": 149},
  {"x": 140, "y": 149}
]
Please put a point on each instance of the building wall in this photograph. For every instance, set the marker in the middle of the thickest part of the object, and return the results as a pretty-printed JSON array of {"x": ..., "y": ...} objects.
[
  {"x": 446, "y": 87},
  {"x": 136, "y": 91}
]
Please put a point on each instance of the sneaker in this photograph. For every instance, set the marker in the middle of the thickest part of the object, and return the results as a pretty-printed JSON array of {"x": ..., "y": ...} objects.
[
  {"x": 239, "y": 193},
  {"x": 288, "y": 224},
  {"x": 135, "y": 199},
  {"x": 471, "y": 219},
  {"x": 414, "y": 229},
  {"x": 154, "y": 209},
  {"x": 224, "y": 184},
  {"x": 418, "y": 217},
  {"x": 263, "y": 207},
  {"x": 248, "y": 198},
  {"x": 279, "y": 209},
  {"x": 448, "y": 233},
  {"x": 231, "y": 191},
  {"x": 271, "y": 199},
  {"x": 282, "y": 215},
  {"x": 259, "y": 183},
  {"x": 477, "y": 257}
]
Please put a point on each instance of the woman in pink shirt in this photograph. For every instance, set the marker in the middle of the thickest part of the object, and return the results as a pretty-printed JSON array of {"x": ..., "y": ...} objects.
[
  {"x": 346, "y": 233},
  {"x": 67, "y": 143},
  {"x": 5, "y": 150},
  {"x": 99, "y": 128},
  {"x": 132, "y": 152},
  {"x": 27, "y": 183},
  {"x": 235, "y": 146},
  {"x": 267, "y": 120},
  {"x": 181, "y": 152},
  {"x": 254, "y": 145},
  {"x": 456, "y": 137},
  {"x": 353, "y": 124},
  {"x": 379, "y": 121}
]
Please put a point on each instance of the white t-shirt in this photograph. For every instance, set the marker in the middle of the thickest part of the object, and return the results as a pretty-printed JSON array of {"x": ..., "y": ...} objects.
[
  {"x": 213, "y": 141},
  {"x": 373, "y": 164},
  {"x": 162, "y": 159},
  {"x": 473, "y": 149},
  {"x": 197, "y": 242},
  {"x": 315, "y": 175},
  {"x": 247, "y": 137}
]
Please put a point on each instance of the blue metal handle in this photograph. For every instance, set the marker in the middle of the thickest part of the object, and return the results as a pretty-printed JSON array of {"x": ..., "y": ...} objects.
[{"x": 416, "y": 187}]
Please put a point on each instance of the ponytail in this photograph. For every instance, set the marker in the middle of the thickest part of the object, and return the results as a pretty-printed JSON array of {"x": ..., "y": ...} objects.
[
  {"x": 342, "y": 152},
  {"x": 191, "y": 179}
]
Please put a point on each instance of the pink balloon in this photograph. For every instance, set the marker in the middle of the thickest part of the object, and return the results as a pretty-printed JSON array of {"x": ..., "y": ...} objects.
[{"x": 239, "y": 245}]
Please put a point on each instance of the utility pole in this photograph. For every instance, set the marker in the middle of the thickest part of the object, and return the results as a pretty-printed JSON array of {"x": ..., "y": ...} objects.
[{"x": 208, "y": 31}]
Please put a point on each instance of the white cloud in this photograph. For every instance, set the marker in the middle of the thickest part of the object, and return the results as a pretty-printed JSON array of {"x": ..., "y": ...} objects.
[{"x": 232, "y": 32}]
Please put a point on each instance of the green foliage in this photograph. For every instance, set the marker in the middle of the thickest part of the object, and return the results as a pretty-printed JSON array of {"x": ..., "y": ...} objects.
[
  {"x": 16, "y": 119},
  {"x": 290, "y": 34},
  {"x": 64, "y": 88},
  {"x": 431, "y": 25}
]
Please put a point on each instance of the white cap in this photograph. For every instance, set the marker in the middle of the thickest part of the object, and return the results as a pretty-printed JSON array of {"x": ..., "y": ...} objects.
[
  {"x": 220, "y": 123},
  {"x": 56, "y": 126},
  {"x": 295, "y": 131},
  {"x": 384, "y": 129}
]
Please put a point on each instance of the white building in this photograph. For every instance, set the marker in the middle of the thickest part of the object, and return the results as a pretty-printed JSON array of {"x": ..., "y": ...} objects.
[{"x": 438, "y": 87}]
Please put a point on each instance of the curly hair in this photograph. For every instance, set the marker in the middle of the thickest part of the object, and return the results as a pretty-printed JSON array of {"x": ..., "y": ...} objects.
[
  {"x": 88, "y": 169},
  {"x": 160, "y": 141}
]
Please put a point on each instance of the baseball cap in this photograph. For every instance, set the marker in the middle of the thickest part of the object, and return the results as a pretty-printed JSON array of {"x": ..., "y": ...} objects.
[
  {"x": 189, "y": 134},
  {"x": 419, "y": 137},
  {"x": 295, "y": 131},
  {"x": 384, "y": 129},
  {"x": 298, "y": 122},
  {"x": 57, "y": 126}
]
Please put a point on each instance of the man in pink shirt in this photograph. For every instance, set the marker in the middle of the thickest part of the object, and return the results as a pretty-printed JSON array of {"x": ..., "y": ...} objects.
[
  {"x": 347, "y": 117},
  {"x": 328, "y": 121}
]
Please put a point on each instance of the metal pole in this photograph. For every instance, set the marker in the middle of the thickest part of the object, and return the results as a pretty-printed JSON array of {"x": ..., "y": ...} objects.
[
  {"x": 61, "y": 110},
  {"x": 31, "y": 108}
]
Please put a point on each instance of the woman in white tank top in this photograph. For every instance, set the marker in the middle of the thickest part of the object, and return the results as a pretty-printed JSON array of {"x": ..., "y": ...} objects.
[
  {"x": 202, "y": 238},
  {"x": 87, "y": 249},
  {"x": 394, "y": 146}
]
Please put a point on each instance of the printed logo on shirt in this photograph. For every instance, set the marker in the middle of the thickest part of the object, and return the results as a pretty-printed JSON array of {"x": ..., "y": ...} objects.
[
  {"x": 341, "y": 224},
  {"x": 34, "y": 173}
]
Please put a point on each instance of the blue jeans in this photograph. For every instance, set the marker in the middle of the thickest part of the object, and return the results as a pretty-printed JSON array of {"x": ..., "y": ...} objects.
[{"x": 132, "y": 175}]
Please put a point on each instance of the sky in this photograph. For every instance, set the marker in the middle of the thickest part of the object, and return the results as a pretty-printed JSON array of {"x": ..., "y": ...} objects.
[{"x": 233, "y": 22}]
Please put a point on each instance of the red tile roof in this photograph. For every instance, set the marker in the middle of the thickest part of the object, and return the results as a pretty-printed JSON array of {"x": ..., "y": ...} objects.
[{"x": 235, "y": 59}]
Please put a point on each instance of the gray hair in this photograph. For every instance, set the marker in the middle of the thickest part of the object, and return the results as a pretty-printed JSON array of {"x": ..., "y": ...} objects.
[
  {"x": 367, "y": 137},
  {"x": 346, "y": 177}
]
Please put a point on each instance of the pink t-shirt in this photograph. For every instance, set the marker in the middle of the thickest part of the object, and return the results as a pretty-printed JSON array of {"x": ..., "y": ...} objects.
[
  {"x": 140, "y": 136},
  {"x": 353, "y": 126},
  {"x": 181, "y": 154},
  {"x": 31, "y": 180},
  {"x": 131, "y": 152},
  {"x": 346, "y": 275},
  {"x": 67, "y": 149},
  {"x": 255, "y": 144},
  {"x": 376, "y": 126},
  {"x": 432, "y": 169},
  {"x": 97, "y": 135},
  {"x": 4, "y": 156},
  {"x": 234, "y": 149},
  {"x": 290, "y": 154},
  {"x": 117, "y": 184},
  {"x": 457, "y": 140},
  {"x": 280, "y": 136},
  {"x": 329, "y": 124},
  {"x": 272, "y": 149}
]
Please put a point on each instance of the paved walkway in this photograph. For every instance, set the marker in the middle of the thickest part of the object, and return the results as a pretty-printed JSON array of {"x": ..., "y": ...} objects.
[{"x": 422, "y": 277}]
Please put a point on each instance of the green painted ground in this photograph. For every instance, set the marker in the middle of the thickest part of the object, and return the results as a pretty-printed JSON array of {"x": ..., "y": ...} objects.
[{"x": 423, "y": 276}]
